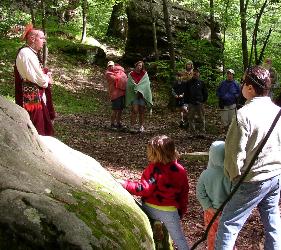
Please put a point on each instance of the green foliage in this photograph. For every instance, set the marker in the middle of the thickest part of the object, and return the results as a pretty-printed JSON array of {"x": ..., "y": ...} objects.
[
  {"x": 71, "y": 29},
  {"x": 11, "y": 18},
  {"x": 98, "y": 18},
  {"x": 227, "y": 13},
  {"x": 75, "y": 51},
  {"x": 65, "y": 33},
  {"x": 7, "y": 54},
  {"x": 117, "y": 43},
  {"x": 203, "y": 52},
  {"x": 160, "y": 69},
  {"x": 69, "y": 103}
]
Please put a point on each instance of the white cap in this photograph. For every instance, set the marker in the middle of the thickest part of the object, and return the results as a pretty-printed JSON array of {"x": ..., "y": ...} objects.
[
  {"x": 110, "y": 63},
  {"x": 231, "y": 71}
]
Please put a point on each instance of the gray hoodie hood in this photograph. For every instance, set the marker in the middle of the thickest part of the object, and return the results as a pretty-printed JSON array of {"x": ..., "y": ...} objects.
[{"x": 216, "y": 155}]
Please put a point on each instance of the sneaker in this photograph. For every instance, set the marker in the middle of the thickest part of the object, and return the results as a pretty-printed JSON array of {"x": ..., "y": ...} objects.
[
  {"x": 158, "y": 231},
  {"x": 142, "y": 129}
]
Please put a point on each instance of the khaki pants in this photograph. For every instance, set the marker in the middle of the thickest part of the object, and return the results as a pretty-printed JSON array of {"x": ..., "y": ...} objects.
[
  {"x": 196, "y": 113},
  {"x": 227, "y": 114}
]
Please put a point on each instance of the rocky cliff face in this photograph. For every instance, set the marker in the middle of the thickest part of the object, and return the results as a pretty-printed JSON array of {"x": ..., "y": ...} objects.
[
  {"x": 54, "y": 197},
  {"x": 140, "y": 40}
]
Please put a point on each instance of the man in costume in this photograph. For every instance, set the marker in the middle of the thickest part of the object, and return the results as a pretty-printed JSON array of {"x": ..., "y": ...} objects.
[{"x": 32, "y": 82}]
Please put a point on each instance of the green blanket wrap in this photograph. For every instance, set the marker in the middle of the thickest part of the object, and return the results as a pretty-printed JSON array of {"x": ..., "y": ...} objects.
[{"x": 143, "y": 87}]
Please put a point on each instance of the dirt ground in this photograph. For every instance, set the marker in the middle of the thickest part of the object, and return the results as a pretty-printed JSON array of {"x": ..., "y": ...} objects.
[{"x": 123, "y": 153}]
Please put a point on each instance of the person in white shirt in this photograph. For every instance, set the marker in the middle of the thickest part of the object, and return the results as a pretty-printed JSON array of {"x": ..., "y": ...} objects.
[{"x": 32, "y": 82}]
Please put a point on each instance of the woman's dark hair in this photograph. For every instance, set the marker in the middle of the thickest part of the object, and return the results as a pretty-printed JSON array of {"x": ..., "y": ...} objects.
[
  {"x": 259, "y": 78},
  {"x": 138, "y": 62}
]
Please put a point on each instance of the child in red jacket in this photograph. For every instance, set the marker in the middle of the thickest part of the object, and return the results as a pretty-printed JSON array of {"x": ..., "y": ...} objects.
[{"x": 163, "y": 187}]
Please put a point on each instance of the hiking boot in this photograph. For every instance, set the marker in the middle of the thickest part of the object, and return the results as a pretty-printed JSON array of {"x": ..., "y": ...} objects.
[
  {"x": 120, "y": 126},
  {"x": 157, "y": 229},
  {"x": 182, "y": 124}
]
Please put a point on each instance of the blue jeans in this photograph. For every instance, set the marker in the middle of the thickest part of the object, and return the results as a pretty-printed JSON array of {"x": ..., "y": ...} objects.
[
  {"x": 171, "y": 220},
  {"x": 265, "y": 196}
]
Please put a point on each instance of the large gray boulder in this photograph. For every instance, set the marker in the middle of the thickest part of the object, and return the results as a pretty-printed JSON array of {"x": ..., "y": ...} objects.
[{"x": 54, "y": 197}]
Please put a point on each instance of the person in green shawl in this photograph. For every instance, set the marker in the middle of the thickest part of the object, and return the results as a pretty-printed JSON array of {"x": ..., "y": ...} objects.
[{"x": 138, "y": 95}]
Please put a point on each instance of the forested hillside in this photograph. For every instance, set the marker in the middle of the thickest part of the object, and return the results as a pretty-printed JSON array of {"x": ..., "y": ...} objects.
[{"x": 83, "y": 35}]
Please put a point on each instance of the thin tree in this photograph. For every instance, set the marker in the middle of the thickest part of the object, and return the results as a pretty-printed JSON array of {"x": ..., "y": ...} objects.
[
  {"x": 212, "y": 20},
  {"x": 154, "y": 32},
  {"x": 243, "y": 23},
  {"x": 224, "y": 28},
  {"x": 30, "y": 4},
  {"x": 264, "y": 46},
  {"x": 43, "y": 8},
  {"x": 84, "y": 18},
  {"x": 118, "y": 26},
  {"x": 255, "y": 33},
  {"x": 169, "y": 35}
]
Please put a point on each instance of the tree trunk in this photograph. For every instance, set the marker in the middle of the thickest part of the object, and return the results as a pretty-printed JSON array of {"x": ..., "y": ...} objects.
[
  {"x": 264, "y": 46},
  {"x": 117, "y": 26},
  {"x": 43, "y": 7},
  {"x": 30, "y": 5},
  {"x": 32, "y": 15},
  {"x": 224, "y": 28},
  {"x": 169, "y": 36},
  {"x": 213, "y": 39},
  {"x": 155, "y": 40},
  {"x": 243, "y": 23},
  {"x": 154, "y": 32},
  {"x": 255, "y": 33},
  {"x": 212, "y": 21},
  {"x": 84, "y": 17}
]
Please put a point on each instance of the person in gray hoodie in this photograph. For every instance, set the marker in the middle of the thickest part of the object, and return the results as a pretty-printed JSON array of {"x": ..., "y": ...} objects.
[{"x": 212, "y": 188}]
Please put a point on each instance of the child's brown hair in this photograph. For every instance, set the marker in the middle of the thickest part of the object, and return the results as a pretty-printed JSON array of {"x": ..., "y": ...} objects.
[{"x": 161, "y": 149}]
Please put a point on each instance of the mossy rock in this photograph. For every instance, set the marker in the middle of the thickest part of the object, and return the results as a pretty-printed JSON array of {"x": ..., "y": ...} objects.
[
  {"x": 84, "y": 53},
  {"x": 54, "y": 197}
]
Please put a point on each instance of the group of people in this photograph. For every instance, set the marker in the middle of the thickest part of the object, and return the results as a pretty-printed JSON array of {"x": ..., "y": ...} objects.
[
  {"x": 190, "y": 93},
  {"x": 133, "y": 91},
  {"x": 164, "y": 183}
]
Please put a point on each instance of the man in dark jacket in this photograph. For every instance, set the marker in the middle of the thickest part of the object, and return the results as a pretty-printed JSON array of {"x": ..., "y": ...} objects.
[
  {"x": 228, "y": 93},
  {"x": 195, "y": 95}
]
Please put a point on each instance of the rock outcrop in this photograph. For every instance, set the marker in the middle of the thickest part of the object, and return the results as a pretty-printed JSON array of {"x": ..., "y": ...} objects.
[
  {"x": 54, "y": 197},
  {"x": 139, "y": 43}
]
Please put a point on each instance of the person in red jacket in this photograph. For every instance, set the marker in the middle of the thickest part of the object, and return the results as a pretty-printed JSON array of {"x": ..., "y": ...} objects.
[
  {"x": 163, "y": 187},
  {"x": 117, "y": 82}
]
